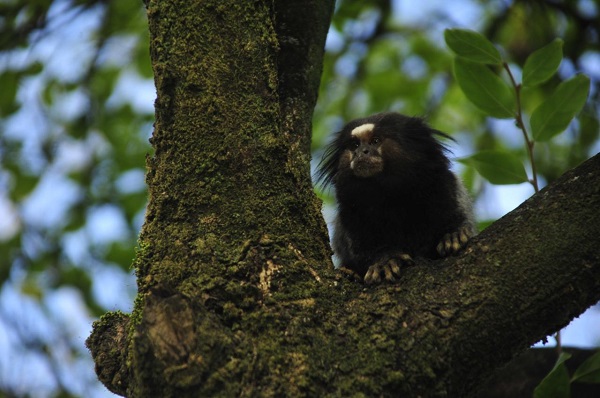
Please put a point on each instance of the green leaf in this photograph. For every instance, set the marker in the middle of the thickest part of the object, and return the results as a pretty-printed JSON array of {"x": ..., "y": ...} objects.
[
  {"x": 589, "y": 129},
  {"x": 9, "y": 249},
  {"x": 31, "y": 287},
  {"x": 9, "y": 83},
  {"x": 485, "y": 89},
  {"x": 121, "y": 253},
  {"x": 141, "y": 59},
  {"x": 24, "y": 186},
  {"x": 542, "y": 64},
  {"x": 472, "y": 46},
  {"x": 103, "y": 82},
  {"x": 33, "y": 69},
  {"x": 483, "y": 224},
  {"x": 589, "y": 370},
  {"x": 499, "y": 168},
  {"x": 556, "y": 383},
  {"x": 553, "y": 116}
]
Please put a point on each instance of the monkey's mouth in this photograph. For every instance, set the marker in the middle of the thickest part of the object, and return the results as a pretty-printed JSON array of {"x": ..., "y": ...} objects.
[{"x": 366, "y": 167}]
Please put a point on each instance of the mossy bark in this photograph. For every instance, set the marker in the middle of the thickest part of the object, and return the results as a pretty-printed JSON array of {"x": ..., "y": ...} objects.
[{"x": 237, "y": 294}]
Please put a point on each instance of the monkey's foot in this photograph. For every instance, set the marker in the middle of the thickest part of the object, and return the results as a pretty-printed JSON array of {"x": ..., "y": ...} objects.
[
  {"x": 388, "y": 268},
  {"x": 453, "y": 242}
]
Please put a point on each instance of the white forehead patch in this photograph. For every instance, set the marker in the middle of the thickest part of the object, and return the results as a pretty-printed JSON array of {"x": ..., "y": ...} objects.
[{"x": 361, "y": 131}]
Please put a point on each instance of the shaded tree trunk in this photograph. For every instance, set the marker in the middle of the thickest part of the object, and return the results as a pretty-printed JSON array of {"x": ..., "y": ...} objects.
[{"x": 237, "y": 293}]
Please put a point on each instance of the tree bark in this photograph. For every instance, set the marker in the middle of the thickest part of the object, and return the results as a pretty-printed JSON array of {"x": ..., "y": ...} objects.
[{"x": 237, "y": 293}]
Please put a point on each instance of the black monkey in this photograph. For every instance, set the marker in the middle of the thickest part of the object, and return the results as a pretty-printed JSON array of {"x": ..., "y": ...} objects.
[{"x": 397, "y": 198}]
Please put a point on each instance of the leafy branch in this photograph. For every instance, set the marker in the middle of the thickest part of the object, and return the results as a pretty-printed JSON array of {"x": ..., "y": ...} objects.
[{"x": 501, "y": 99}]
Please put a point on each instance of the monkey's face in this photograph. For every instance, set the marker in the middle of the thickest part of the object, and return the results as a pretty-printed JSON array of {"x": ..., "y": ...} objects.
[
  {"x": 363, "y": 155},
  {"x": 388, "y": 147}
]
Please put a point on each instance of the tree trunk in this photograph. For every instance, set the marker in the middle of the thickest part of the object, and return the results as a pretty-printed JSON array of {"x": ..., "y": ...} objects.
[{"x": 237, "y": 293}]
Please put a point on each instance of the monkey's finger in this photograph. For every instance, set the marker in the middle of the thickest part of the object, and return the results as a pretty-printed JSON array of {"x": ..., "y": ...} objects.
[
  {"x": 464, "y": 236},
  {"x": 389, "y": 276},
  {"x": 373, "y": 275},
  {"x": 394, "y": 267},
  {"x": 448, "y": 243},
  {"x": 406, "y": 259},
  {"x": 455, "y": 242},
  {"x": 443, "y": 248},
  {"x": 440, "y": 248},
  {"x": 391, "y": 270}
]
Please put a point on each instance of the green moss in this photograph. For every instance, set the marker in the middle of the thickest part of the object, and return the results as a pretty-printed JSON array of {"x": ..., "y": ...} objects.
[{"x": 230, "y": 202}]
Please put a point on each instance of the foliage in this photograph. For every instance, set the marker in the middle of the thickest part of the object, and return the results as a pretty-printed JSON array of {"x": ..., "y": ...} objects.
[
  {"x": 75, "y": 122},
  {"x": 557, "y": 383},
  {"x": 501, "y": 99},
  {"x": 74, "y": 137},
  {"x": 589, "y": 371}
]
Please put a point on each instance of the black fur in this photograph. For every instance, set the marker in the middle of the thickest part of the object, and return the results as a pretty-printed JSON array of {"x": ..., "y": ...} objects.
[{"x": 407, "y": 208}]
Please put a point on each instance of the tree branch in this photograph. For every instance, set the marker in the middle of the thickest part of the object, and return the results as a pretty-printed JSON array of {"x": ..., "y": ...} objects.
[
  {"x": 443, "y": 328},
  {"x": 522, "y": 279}
]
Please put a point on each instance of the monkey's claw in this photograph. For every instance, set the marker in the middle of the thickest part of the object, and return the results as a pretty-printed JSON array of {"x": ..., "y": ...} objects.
[
  {"x": 388, "y": 268},
  {"x": 453, "y": 242}
]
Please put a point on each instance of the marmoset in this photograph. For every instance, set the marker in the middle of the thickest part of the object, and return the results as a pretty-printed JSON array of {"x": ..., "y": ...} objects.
[{"x": 397, "y": 197}]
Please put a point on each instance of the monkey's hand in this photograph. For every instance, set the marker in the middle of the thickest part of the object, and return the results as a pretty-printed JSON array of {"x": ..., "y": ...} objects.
[
  {"x": 387, "y": 267},
  {"x": 453, "y": 242}
]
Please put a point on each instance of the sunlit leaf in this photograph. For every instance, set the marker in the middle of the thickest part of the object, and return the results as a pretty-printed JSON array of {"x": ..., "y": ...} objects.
[
  {"x": 556, "y": 383},
  {"x": 485, "y": 89},
  {"x": 542, "y": 64},
  {"x": 554, "y": 115},
  {"x": 497, "y": 167},
  {"x": 472, "y": 46},
  {"x": 589, "y": 370}
]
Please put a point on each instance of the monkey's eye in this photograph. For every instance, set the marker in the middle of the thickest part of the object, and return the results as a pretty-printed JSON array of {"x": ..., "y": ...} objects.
[
  {"x": 375, "y": 141},
  {"x": 354, "y": 144}
]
